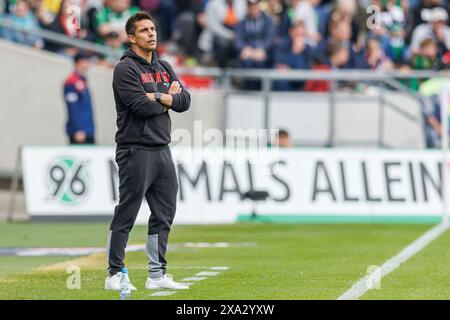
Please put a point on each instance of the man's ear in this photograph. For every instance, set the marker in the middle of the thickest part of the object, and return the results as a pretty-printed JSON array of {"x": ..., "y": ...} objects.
[{"x": 132, "y": 39}]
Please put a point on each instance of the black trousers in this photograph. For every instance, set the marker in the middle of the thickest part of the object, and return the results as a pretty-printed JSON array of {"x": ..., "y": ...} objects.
[{"x": 149, "y": 174}]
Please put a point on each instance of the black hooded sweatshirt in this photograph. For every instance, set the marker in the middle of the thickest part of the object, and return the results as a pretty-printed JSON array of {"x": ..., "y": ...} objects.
[{"x": 141, "y": 122}]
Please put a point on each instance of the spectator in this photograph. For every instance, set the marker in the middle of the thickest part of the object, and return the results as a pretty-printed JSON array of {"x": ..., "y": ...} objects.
[
  {"x": 88, "y": 16},
  {"x": 283, "y": 139},
  {"x": 80, "y": 123},
  {"x": 432, "y": 113},
  {"x": 22, "y": 17},
  {"x": 113, "y": 17},
  {"x": 218, "y": 37},
  {"x": 254, "y": 37},
  {"x": 427, "y": 58},
  {"x": 338, "y": 55},
  {"x": 349, "y": 11},
  {"x": 375, "y": 58},
  {"x": 293, "y": 53},
  {"x": 430, "y": 91},
  {"x": 113, "y": 41},
  {"x": 277, "y": 9},
  {"x": 226, "y": 36},
  {"x": 340, "y": 32},
  {"x": 435, "y": 29},
  {"x": 69, "y": 24},
  {"x": 422, "y": 13},
  {"x": 191, "y": 21},
  {"x": 305, "y": 11}
]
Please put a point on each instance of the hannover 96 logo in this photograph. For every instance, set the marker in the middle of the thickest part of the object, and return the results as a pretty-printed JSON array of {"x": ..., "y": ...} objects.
[{"x": 68, "y": 180}]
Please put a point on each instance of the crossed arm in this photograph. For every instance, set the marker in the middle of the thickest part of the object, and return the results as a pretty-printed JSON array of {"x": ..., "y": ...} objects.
[
  {"x": 126, "y": 84},
  {"x": 167, "y": 99}
]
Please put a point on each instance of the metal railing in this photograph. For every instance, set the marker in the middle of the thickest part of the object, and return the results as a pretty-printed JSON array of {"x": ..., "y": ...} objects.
[
  {"x": 60, "y": 39},
  {"x": 385, "y": 81}
]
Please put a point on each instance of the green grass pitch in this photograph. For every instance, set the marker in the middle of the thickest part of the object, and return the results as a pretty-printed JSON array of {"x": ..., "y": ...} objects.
[{"x": 297, "y": 261}]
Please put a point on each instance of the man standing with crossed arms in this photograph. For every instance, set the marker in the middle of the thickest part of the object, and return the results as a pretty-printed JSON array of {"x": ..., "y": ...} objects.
[{"x": 145, "y": 89}]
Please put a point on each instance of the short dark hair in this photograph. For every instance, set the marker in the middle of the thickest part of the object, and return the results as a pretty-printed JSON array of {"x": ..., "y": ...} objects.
[
  {"x": 82, "y": 55},
  {"x": 112, "y": 35},
  {"x": 427, "y": 42},
  {"x": 130, "y": 27},
  {"x": 283, "y": 133}
]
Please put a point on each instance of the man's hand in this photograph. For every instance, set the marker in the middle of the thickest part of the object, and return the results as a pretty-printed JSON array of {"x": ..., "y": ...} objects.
[
  {"x": 246, "y": 53},
  {"x": 259, "y": 54},
  {"x": 175, "y": 88},
  {"x": 79, "y": 136}
]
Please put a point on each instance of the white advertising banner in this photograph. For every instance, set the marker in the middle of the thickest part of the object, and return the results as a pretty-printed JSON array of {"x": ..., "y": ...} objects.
[{"x": 83, "y": 181}]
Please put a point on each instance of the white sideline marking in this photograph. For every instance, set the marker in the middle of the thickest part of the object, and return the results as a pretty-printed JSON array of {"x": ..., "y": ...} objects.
[
  {"x": 194, "y": 279},
  {"x": 187, "y": 284},
  {"x": 360, "y": 287},
  {"x": 162, "y": 293},
  {"x": 86, "y": 251},
  {"x": 77, "y": 251},
  {"x": 189, "y": 281},
  {"x": 220, "y": 268},
  {"x": 207, "y": 274}
]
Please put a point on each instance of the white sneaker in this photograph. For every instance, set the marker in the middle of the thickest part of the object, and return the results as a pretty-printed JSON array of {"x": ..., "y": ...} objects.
[
  {"x": 166, "y": 282},
  {"x": 113, "y": 282}
]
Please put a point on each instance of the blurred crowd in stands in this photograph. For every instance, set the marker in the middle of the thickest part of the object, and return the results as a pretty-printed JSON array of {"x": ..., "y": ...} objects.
[
  {"x": 278, "y": 34},
  {"x": 282, "y": 34}
]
